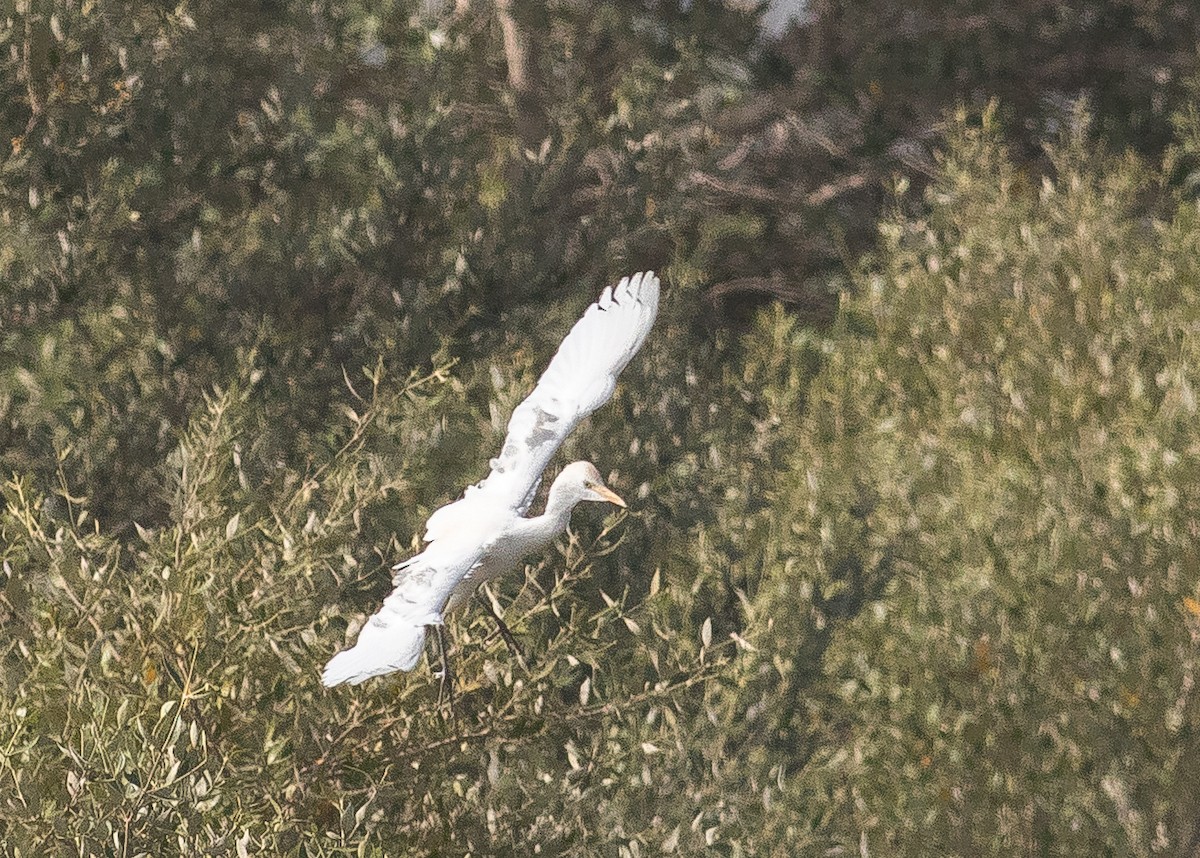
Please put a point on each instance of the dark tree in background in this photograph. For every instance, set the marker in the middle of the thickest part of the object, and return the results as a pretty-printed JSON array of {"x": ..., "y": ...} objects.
[{"x": 857, "y": 93}]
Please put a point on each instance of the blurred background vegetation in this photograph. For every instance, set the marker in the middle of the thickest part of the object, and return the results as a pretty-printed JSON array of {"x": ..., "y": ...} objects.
[{"x": 912, "y": 563}]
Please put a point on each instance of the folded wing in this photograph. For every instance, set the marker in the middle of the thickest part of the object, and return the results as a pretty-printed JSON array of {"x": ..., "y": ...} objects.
[{"x": 581, "y": 377}]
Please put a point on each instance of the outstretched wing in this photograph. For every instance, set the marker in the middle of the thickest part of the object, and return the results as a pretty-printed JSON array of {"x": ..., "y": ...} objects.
[
  {"x": 395, "y": 635},
  {"x": 581, "y": 377}
]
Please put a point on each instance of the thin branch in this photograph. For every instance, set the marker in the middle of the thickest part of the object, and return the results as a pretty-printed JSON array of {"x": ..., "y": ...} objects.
[
  {"x": 35, "y": 106},
  {"x": 522, "y": 75},
  {"x": 516, "y": 50}
]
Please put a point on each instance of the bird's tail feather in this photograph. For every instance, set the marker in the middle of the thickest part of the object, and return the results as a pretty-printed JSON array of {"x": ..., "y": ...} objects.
[{"x": 378, "y": 651}]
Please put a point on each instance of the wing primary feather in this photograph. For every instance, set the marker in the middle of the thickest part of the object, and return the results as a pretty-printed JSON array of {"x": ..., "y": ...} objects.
[{"x": 375, "y": 654}]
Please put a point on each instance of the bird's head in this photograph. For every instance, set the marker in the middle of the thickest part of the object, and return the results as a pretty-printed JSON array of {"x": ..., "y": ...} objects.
[{"x": 587, "y": 484}]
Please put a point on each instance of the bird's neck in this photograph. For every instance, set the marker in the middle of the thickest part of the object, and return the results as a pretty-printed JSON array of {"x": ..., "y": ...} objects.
[{"x": 557, "y": 516}]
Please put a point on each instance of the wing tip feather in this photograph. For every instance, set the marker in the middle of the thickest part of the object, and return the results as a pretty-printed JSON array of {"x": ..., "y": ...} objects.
[{"x": 358, "y": 664}]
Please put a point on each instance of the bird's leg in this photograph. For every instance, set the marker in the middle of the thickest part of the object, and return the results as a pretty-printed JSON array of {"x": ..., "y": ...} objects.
[
  {"x": 505, "y": 632},
  {"x": 446, "y": 688}
]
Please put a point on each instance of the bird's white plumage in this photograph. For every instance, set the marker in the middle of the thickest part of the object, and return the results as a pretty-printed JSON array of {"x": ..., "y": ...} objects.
[
  {"x": 581, "y": 377},
  {"x": 394, "y": 636},
  {"x": 483, "y": 534}
]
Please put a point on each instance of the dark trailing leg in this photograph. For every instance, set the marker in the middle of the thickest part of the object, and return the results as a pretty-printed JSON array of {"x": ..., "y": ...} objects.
[
  {"x": 505, "y": 632},
  {"x": 446, "y": 688}
]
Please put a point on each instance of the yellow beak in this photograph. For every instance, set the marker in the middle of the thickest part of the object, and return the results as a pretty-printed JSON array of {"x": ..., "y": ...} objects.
[{"x": 609, "y": 495}]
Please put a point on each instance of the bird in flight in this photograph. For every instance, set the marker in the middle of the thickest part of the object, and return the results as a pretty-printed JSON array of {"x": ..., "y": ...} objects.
[{"x": 485, "y": 533}]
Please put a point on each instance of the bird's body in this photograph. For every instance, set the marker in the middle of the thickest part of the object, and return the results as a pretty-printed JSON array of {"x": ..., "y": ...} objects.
[
  {"x": 520, "y": 537},
  {"x": 485, "y": 533}
]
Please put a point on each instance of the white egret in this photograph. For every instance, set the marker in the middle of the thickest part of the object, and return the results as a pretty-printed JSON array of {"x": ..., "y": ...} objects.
[{"x": 485, "y": 533}]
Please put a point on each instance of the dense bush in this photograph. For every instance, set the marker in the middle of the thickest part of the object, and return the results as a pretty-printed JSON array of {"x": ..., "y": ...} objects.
[
  {"x": 163, "y": 697},
  {"x": 977, "y": 621}
]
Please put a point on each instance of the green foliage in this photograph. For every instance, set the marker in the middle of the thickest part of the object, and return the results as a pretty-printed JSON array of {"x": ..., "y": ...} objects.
[
  {"x": 163, "y": 696},
  {"x": 981, "y": 634},
  {"x": 318, "y": 183},
  {"x": 172, "y": 201}
]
